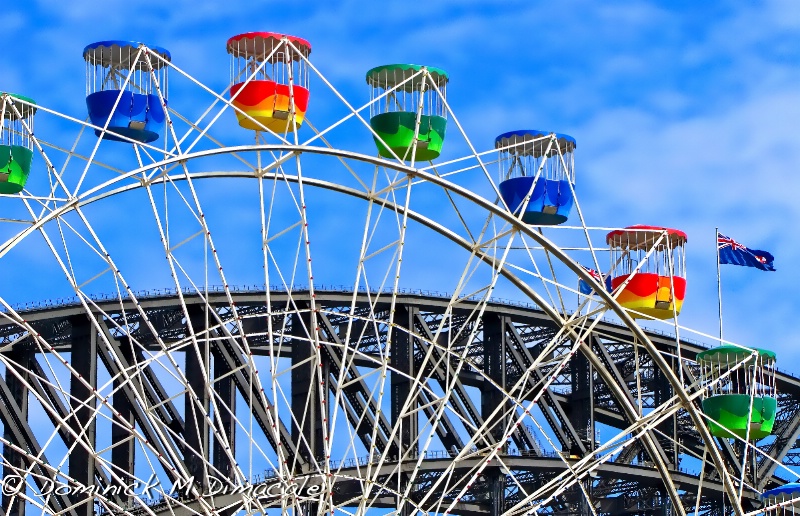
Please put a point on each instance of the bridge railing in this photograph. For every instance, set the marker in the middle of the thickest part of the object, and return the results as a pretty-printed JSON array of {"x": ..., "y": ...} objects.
[{"x": 163, "y": 293}]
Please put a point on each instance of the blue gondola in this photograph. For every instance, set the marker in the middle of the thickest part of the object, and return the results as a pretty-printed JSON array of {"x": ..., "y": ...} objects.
[
  {"x": 123, "y": 89},
  {"x": 537, "y": 166},
  {"x": 779, "y": 501}
]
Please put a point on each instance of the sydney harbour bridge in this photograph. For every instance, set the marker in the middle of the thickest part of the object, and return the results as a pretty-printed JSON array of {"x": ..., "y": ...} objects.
[{"x": 597, "y": 388}]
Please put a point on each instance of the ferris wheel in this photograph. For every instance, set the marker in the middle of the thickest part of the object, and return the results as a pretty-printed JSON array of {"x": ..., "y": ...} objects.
[{"x": 218, "y": 303}]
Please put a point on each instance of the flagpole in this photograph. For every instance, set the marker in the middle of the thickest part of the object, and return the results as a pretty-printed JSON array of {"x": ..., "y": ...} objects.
[{"x": 719, "y": 287}]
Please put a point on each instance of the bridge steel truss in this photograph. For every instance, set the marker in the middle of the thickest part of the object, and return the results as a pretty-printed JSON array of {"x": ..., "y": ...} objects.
[{"x": 489, "y": 363}]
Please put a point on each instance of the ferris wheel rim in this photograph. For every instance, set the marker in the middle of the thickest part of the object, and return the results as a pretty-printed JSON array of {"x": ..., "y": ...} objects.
[
  {"x": 493, "y": 209},
  {"x": 297, "y": 150}
]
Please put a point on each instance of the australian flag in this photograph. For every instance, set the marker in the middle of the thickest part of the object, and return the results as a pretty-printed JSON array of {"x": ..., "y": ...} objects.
[
  {"x": 731, "y": 251},
  {"x": 585, "y": 288}
]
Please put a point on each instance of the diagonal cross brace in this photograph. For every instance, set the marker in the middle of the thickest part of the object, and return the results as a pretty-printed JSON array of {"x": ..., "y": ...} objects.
[
  {"x": 46, "y": 390},
  {"x": 263, "y": 417},
  {"x": 357, "y": 383},
  {"x": 11, "y": 414},
  {"x": 551, "y": 408}
]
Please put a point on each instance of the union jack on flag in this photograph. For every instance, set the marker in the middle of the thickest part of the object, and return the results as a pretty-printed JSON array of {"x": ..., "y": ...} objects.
[
  {"x": 585, "y": 288},
  {"x": 731, "y": 251}
]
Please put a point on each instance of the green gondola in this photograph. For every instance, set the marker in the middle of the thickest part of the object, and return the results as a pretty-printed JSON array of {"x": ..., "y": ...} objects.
[
  {"x": 408, "y": 100},
  {"x": 16, "y": 144},
  {"x": 740, "y": 398}
]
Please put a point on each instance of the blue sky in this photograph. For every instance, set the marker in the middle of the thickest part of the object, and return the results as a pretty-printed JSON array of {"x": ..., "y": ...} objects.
[{"x": 684, "y": 112}]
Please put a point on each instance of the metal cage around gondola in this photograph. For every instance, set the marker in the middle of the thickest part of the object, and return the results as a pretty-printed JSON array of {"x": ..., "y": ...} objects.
[
  {"x": 782, "y": 501},
  {"x": 740, "y": 397},
  {"x": 269, "y": 80},
  {"x": 537, "y": 175},
  {"x": 16, "y": 141},
  {"x": 126, "y": 90},
  {"x": 648, "y": 270},
  {"x": 408, "y": 111}
]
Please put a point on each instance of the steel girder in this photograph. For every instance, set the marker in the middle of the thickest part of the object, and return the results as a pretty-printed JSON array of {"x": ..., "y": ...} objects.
[{"x": 29, "y": 450}]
